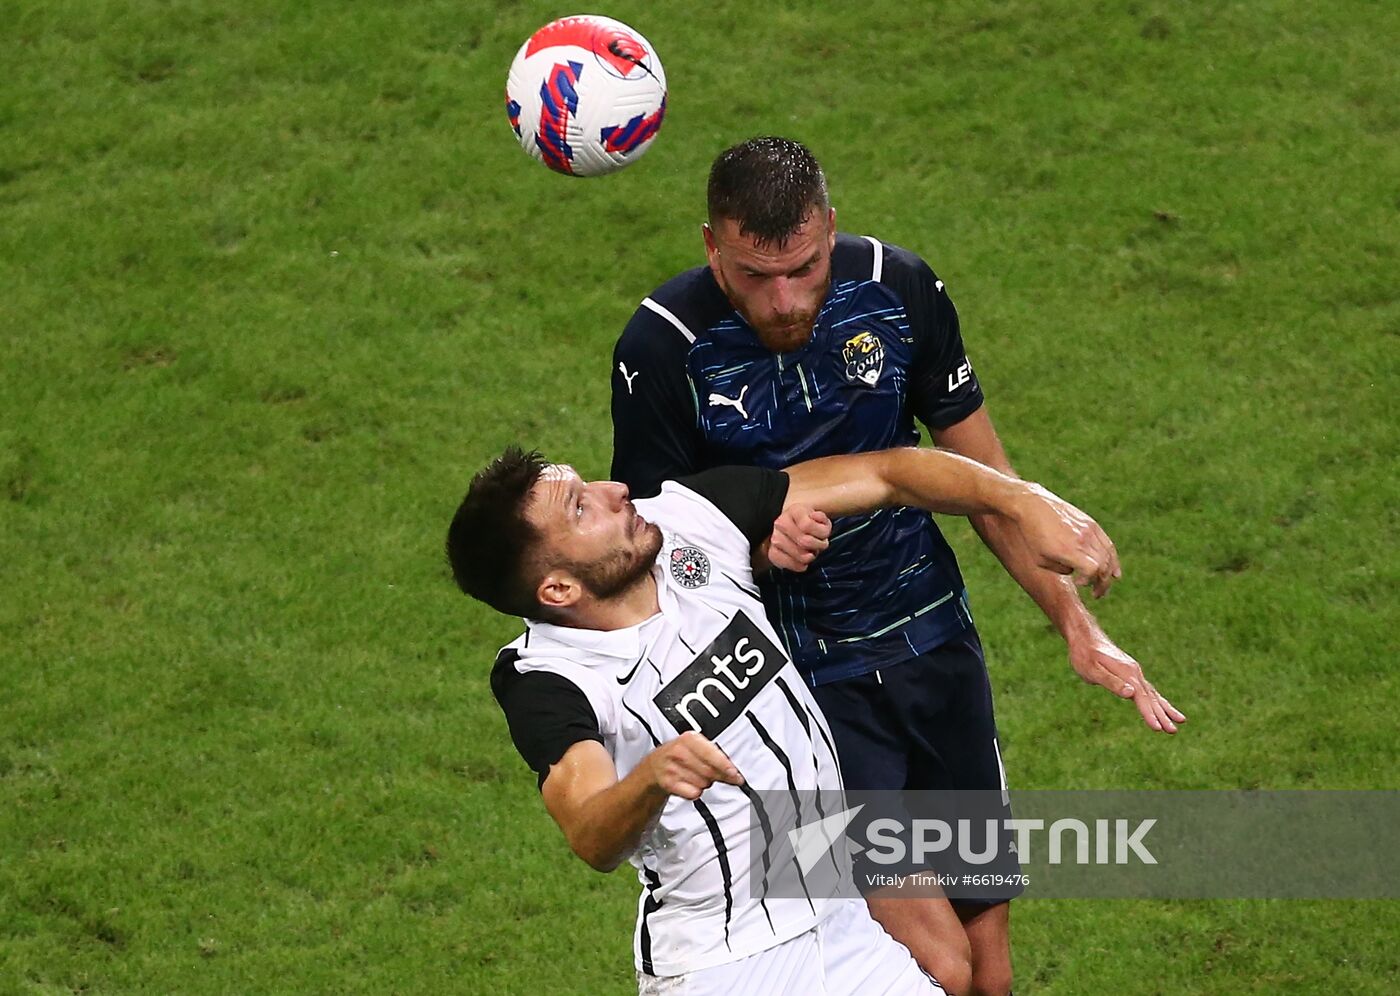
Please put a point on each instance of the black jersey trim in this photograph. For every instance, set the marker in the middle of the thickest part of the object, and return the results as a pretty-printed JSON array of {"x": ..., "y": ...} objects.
[
  {"x": 545, "y": 712},
  {"x": 749, "y": 497}
]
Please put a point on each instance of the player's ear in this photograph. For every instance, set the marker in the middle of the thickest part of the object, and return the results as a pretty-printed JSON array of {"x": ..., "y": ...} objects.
[
  {"x": 830, "y": 229},
  {"x": 558, "y": 590},
  {"x": 711, "y": 249}
]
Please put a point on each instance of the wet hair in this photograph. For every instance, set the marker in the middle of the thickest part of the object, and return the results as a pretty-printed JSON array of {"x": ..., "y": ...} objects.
[
  {"x": 490, "y": 544},
  {"x": 769, "y": 185}
]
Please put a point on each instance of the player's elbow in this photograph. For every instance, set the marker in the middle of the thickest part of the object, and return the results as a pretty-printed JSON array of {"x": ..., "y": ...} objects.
[
  {"x": 600, "y": 863},
  {"x": 889, "y": 477},
  {"x": 594, "y": 854}
]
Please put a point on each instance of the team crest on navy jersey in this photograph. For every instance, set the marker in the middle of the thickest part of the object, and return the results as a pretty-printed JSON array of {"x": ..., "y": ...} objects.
[
  {"x": 690, "y": 567},
  {"x": 864, "y": 354}
]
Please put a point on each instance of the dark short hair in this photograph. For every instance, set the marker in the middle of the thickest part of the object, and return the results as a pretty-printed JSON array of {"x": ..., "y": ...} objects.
[
  {"x": 490, "y": 544},
  {"x": 768, "y": 185}
]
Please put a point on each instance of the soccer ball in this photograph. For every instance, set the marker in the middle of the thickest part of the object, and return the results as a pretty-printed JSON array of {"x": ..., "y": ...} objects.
[{"x": 586, "y": 95}]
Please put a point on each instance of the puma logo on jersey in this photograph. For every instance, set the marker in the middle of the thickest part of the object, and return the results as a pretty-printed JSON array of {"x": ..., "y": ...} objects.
[
  {"x": 622, "y": 369},
  {"x": 736, "y": 403},
  {"x": 960, "y": 376}
]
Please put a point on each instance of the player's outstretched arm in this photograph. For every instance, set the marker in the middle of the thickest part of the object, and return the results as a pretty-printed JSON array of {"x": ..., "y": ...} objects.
[
  {"x": 603, "y": 818},
  {"x": 1060, "y": 537},
  {"x": 1094, "y": 657}
]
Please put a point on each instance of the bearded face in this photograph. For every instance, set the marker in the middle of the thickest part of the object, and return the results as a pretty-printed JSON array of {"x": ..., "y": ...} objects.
[{"x": 778, "y": 289}]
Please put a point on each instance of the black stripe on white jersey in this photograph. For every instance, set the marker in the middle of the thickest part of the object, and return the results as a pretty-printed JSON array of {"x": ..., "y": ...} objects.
[
  {"x": 638, "y": 717},
  {"x": 766, "y": 826},
  {"x": 796, "y": 708},
  {"x": 721, "y": 852},
  {"x": 649, "y": 906},
  {"x": 653, "y": 881},
  {"x": 749, "y": 590},
  {"x": 792, "y": 789},
  {"x": 716, "y": 608},
  {"x": 802, "y": 717},
  {"x": 830, "y": 750}
]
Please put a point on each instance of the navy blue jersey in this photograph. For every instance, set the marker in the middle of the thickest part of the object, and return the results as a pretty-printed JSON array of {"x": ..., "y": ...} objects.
[{"x": 694, "y": 388}]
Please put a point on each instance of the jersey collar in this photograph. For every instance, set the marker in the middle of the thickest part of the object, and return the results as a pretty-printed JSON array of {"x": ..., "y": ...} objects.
[
  {"x": 620, "y": 643},
  {"x": 624, "y": 644}
]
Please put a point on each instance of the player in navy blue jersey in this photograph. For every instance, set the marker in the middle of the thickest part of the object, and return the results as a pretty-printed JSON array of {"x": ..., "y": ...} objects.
[{"x": 797, "y": 342}]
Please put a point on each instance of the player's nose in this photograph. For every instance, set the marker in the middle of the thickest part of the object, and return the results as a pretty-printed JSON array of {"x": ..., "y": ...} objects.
[
  {"x": 783, "y": 300},
  {"x": 616, "y": 491}
]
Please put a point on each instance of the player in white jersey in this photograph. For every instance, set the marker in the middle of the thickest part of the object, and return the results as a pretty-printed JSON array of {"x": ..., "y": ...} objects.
[{"x": 653, "y": 698}]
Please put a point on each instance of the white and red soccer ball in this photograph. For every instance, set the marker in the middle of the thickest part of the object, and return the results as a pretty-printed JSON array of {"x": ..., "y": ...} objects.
[{"x": 586, "y": 95}]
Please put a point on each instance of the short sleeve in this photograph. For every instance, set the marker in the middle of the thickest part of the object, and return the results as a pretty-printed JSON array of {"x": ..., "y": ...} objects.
[
  {"x": 749, "y": 497},
  {"x": 943, "y": 390},
  {"x": 547, "y": 714},
  {"x": 655, "y": 433}
]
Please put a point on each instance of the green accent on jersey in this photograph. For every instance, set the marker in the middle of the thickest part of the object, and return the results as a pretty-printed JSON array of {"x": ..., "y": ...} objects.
[
  {"x": 880, "y": 632},
  {"x": 933, "y": 605},
  {"x": 803, "y": 381},
  {"x": 852, "y": 532},
  {"x": 898, "y": 623}
]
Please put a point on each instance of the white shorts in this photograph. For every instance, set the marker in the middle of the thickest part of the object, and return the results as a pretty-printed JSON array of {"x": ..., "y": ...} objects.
[{"x": 847, "y": 954}]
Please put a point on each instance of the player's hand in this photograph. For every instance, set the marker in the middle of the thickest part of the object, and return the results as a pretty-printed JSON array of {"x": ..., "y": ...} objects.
[
  {"x": 1067, "y": 541},
  {"x": 1099, "y": 661},
  {"x": 799, "y": 535},
  {"x": 689, "y": 764}
]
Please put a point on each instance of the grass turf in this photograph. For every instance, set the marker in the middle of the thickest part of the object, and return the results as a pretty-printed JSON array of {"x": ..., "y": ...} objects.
[{"x": 276, "y": 281}]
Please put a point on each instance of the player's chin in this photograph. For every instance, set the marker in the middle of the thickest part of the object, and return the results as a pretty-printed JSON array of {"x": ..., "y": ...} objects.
[{"x": 789, "y": 336}]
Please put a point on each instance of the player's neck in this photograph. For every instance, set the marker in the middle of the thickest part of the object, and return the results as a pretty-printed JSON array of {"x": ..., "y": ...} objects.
[{"x": 635, "y": 604}]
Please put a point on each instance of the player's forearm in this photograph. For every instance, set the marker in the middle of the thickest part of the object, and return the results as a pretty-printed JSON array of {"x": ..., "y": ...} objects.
[
  {"x": 943, "y": 481},
  {"x": 607, "y": 827},
  {"x": 1055, "y": 594},
  {"x": 936, "y": 480}
]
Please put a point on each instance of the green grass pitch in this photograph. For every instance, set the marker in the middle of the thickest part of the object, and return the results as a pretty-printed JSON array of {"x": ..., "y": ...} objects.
[{"x": 274, "y": 279}]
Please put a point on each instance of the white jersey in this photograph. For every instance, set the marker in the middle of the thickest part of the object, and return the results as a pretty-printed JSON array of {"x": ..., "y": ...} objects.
[{"x": 708, "y": 661}]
